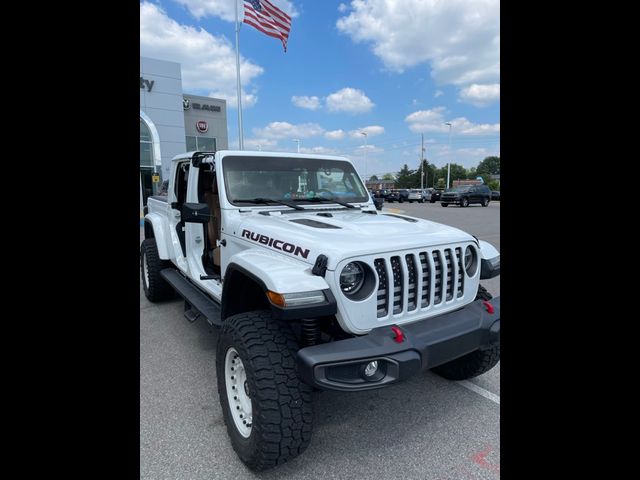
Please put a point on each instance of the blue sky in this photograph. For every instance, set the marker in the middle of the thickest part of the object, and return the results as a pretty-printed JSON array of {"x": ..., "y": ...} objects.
[{"x": 391, "y": 68}]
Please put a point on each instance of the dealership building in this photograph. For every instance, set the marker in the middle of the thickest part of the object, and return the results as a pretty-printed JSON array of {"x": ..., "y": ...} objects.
[{"x": 172, "y": 122}]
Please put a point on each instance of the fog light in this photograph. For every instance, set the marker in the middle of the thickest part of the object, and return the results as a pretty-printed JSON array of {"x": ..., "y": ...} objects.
[{"x": 371, "y": 368}]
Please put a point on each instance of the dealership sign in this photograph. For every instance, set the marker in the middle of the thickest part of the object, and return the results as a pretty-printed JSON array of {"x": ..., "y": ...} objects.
[
  {"x": 202, "y": 126},
  {"x": 146, "y": 84},
  {"x": 209, "y": 108}
]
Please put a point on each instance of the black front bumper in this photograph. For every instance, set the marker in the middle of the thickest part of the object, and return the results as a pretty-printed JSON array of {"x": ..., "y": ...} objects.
[{"x": 426, "y": 344}]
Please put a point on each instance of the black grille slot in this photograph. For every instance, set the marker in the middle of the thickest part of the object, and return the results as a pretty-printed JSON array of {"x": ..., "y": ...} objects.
[
  {"x": 449, "y": 260},
  {"x": 381, "y": 270},
  {"x": 426, "y": 280},
  {"x": 460, "y": 272},
  {"x": 413, "y": 281},
  {"x": 396, "y": 270},
  {"x": 437, "y": 265}
]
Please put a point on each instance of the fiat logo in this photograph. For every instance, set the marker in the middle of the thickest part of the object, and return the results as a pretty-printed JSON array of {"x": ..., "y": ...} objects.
[{"x": 202, "y": 126}]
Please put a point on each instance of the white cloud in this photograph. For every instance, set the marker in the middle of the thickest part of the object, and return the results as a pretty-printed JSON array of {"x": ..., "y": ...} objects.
[
  {"x": 370, "y": 149},
  {"x": 207, "y": 62},
  {"x": 349, "y": 100},
  {"x": 224, "y": 8},
  {"x": 319, "y": 150},
  {"x": 259, "y": 143},
  {"x": 459, "y": 38},
  {"x": 433, "y": 121},
  {"x": 335, "y": 134},
  {"x": 279, "y": 130},
  {"x": 438, "y": 93},
  {"x": 310, "y": 103},
  {"x": 343, "y": 8},
  {"x": 371, "y": 131},
  {"x": 480, "y": 95}
]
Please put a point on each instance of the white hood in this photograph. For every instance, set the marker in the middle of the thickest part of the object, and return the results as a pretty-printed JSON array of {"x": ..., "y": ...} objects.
[{"x": 353, "y": 234}]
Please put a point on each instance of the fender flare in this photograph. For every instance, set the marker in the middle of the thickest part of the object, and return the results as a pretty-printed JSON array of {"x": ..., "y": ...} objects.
[
  {"x": 279, "y": 275},
  {"x": 277, "y": 272},
  {"x": 159, "y": 226}
]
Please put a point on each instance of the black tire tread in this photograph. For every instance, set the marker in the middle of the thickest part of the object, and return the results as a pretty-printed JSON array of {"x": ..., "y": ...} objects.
[
  {"x": 474, "y": 363},
  {"x": 283, "y": 419},
  {"x": 158, "y": 289}
]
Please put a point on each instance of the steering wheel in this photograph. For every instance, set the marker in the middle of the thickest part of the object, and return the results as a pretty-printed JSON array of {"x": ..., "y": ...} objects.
[{"x": 324, "y": 190}]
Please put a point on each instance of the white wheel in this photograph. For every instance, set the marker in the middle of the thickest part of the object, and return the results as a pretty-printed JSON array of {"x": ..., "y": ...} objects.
[
  {"x": 145, "y": 271},
  {"x": 238, "y": 394}
]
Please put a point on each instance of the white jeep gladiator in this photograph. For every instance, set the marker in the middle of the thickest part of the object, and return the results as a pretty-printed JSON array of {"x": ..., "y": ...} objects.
[{"x": 312, "y": 288}]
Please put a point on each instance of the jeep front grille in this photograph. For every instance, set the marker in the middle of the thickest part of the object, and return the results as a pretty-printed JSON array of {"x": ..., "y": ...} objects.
[{"x": 418, "y": 279}]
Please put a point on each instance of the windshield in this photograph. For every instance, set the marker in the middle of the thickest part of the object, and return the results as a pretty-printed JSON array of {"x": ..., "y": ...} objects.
[
  {"x": 463, "y": 188},
  {"x": 292, "y": 179}
]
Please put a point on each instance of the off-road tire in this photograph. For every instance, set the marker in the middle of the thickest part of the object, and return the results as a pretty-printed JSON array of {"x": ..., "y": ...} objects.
[
  {"x": 474, "y": 363},
  {"x": 156, "y": 288},
  {"x": 281, "y": 404}
]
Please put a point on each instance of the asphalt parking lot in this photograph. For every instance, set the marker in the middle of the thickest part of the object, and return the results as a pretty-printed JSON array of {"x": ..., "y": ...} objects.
[{"x": 424, "y": 428}]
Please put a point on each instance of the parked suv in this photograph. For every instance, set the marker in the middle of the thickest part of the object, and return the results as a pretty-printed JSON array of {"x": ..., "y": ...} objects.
[
  {"x": 398, "y": 195},
  {"x": 312, "y": 288},
  {"x": 465, "y": 195},
  {"x": 415, "y": 195},
  {"x": 435, "y": 195}
]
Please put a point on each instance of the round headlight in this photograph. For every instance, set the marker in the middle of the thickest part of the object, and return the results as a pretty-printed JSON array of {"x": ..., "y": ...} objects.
[
  {"x": 470, "y": 261},
  {"x": 351, "y": 278}
]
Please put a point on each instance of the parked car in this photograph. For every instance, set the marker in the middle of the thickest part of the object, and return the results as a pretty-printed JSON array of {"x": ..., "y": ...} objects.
[
  {"x": 465, "y": 195},
  {"x": 495, "y": 195},
  {"x": 398, "y": 195},
  {"x": 312, "y": 292},
  {"x": 415, "y": 195},
  {"x": 435, "y": 194},
  {"x": 427, "y": 192},
  {"x": 378, "y": 201}
]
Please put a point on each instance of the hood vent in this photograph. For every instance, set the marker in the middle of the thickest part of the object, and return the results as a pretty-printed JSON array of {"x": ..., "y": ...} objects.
[
  {"x": 312, "y": 223},
  {"x": 407, "y": 219}
]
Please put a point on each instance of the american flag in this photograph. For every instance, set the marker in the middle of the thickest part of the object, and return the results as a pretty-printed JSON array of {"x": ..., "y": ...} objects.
[{"x": 267, "y": 18}]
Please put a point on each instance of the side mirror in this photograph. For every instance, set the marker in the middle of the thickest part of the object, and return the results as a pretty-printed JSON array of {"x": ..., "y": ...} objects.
[{"x": 195, "y": 213}]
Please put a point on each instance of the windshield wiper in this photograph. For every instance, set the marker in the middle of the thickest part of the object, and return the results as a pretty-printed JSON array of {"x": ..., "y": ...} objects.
[
  {"x": 267, "y": 201},
  {"x": 324, "y": 200}
]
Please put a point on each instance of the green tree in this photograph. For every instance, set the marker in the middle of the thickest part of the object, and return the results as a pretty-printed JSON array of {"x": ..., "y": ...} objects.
[
  {"x": 494, "y": 185},
  {"x": 489, "y": 166},
  {"x": 441, "y": 182},
  {"x": 458, "y": 172},
  {"x": 405, "y": 177},
  {"x": 388, "y": 176},
  {"x": 373, "y": 178}
]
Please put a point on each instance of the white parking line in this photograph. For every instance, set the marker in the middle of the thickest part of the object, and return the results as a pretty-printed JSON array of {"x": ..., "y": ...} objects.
[{"x": 480, "y": 391}]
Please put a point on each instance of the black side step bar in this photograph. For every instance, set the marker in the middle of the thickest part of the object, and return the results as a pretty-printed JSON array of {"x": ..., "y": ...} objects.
[{"x": 196, "y": 302}]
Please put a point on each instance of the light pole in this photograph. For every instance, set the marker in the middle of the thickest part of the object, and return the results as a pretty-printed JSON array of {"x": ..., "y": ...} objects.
[
  {"x": 449, "y": 164},
  {"x": 365, "y": 155},
  {"x": 297, "y": 143}
]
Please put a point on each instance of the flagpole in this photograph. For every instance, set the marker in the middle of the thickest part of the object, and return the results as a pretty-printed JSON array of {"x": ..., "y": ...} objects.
[{"x": 239, "y": 90}]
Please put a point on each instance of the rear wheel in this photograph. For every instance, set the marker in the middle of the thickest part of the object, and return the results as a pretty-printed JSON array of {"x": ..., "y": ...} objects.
[
  {"x": 156, "y": 289},
  {"x": 474, "y": 363},
  {"x": 267, "y": 409},
  {"x": 485, "y": 202}
]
